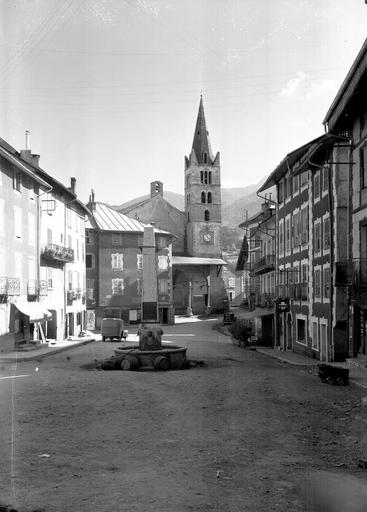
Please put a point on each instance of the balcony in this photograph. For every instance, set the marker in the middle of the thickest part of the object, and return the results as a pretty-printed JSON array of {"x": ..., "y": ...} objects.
[
  {"x": 299, "y": 291},
  {"x": 53, "y": 252},
  {"x": 351, "y": 273},
  {"x": 9, "y": 287},
  {"x": 264, "y": 264},
  {"x": 36, "y": 289}
]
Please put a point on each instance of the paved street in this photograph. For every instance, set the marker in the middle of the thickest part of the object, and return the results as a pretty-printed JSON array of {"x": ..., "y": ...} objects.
[{"x": 241, "y": 433}]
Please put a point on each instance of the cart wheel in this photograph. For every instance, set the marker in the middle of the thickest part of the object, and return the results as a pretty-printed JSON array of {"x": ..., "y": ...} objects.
[
  {"x": 340, "y": 381},
  {"x": 330, "y": 380}
]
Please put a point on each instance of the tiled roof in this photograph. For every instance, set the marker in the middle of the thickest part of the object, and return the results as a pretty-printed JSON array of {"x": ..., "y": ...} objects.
[
  {"x": 193, "y": 260},
  {"x": 108, "y": 219}
]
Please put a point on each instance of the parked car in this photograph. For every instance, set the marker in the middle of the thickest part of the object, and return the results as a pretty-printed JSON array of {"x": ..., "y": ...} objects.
[{"x": 113, "y": 326}]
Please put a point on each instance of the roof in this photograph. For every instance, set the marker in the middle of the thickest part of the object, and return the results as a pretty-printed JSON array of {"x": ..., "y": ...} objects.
[
  {"x": 106, "y": 218},
  {"x": 260, "y": 217},
  {"x": 348, "y": 88},
  {"x": 193, "y": 260},
  {"x": 201, "y": 142},
  {"x": 286, "y": 164},
  {"x": 243, "y": 255},
  {"x": 12, "y": 158}
]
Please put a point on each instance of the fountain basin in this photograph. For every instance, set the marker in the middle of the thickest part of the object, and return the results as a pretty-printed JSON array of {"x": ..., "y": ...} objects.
[{"x": 165, "y": 358}]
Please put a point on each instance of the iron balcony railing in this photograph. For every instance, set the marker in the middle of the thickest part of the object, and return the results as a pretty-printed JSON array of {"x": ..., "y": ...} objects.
[
  {"x": 9, "y": 286},
  {"x": 36, "y": 288},
  {"x": 264, "y": 264},
  {"x": 264, "y": 300},
  {"x": 58, "y": 253},
  {"x": 295, "y": 291},
  {"x": 351, "y": 273}
]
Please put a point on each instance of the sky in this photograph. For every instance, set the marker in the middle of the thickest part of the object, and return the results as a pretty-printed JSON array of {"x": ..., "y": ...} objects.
[{"x": 110, "y": 89}]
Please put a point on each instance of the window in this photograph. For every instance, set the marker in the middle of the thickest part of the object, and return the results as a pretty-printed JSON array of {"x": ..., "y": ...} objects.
[
  {"x": 296, "y": 183},
  {"x": 325, "y": 178},
  {"x": 77, "y": 250},
  {"x": 162, "y": 262},
  {"x": 116, "y": 239},
  {"x": 49, "y": 278},
  {"x": 317, "y": 283},
  {"x": 68, "y": 217},
  {"x": 205, "y": 177},
  {"x": 139, "y": 261},
  {"x": 206, "y": 215},
  {"x": 326, "y": 281},
  {"x": 90, "y": 289},
  {"x": 70, "y": 242},
  {"x": 304, "y": 226},
  {"x": 209, "y": 197},
  {"x": 281, "y": 236},
  {"x": 89, "y": 260},
  {"x": 205, "y": 158},
  {"x": 17, "y": 222},
  {"x": 201, "y": 177},
  {"x": 210, "y": 177},
  {"x": 326, "y": 233},
  {"x": 363, "y": 166},
  {"x": 117, "y": 261},
  {"x": 163, "y": 286},
  {"x": 49, "y": 236},
  {"x": 187, "y": 198},
  {"x": 304, "y": 178},
  {"x": 287, "y": 234},
  {"x": 301, "y": 330},
  {"x": 117, "y": 286},
  {"x": 188, "y": 216},
  {"x": 17, "y": 180},
  {"x": 316, "y": 185},
  {"x": 317, "y": 235},
  {"x": 70, "y": 280},
  {"x": 203, "y": 198},
  {"x": 315, "y": 335}
]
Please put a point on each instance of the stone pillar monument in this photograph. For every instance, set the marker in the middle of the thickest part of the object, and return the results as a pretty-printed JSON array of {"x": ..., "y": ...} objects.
[{"x": 150, "y": 333}]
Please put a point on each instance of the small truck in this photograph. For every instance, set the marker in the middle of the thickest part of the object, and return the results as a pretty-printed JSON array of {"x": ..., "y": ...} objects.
[{"x": 112, "y": 326}]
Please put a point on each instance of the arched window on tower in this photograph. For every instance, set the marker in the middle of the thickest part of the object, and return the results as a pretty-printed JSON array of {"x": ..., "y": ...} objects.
[
  {"x": 206, "y": 177},
  {"x": 201, "y": 177},
  {"x": 206, "y": 215},
  {"x": 210, "y": 177},
  {"x": 203, "y": 198},
  {"x": 188, "y": 216},
  {"x": 209, "y": 197},
  {"x": 205, "y": 158}
]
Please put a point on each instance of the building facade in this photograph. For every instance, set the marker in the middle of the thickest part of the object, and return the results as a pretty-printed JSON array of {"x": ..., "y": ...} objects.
[
  {"x": 34, "y": 256},
  {"x": 114, "y": 264}
]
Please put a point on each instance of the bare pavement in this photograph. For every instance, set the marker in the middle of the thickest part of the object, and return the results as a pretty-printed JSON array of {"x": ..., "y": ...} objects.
[{"x": 241, "y": 433}]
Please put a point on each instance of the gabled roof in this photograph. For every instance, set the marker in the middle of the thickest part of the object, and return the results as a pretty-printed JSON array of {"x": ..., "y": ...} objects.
[
  {"x": 19, "y": 164},
  {"x": 201, "y": 141},
  {"x": 286, "y": 164},
  {"x": 106, "y": 218},
  {"x": 355, "y": 79}
]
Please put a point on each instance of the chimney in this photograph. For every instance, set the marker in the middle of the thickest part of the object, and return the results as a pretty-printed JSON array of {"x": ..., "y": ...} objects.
[
  {"x": 26, "y": 153},
  {"x": 72, "y": 184},
  {"x": 27, "y": 134},
  {"x": 156, "y": 188},
  {"x": 91, "y": 203}
]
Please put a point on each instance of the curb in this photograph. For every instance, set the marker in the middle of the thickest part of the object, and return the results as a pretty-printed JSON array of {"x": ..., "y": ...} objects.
[{"x": 50, "y": 352}]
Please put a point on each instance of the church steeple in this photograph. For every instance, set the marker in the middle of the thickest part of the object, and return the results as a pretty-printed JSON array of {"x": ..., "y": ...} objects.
[{"x": 201, "y": 143}]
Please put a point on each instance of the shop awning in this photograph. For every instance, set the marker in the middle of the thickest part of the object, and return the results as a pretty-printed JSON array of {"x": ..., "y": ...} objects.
[{"x": 36, "y": 311}]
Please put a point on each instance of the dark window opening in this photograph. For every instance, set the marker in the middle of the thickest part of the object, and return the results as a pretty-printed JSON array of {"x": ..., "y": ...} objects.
[
  {"x": 89, "y": 260},
  {"x": 206, "y": 177},
  {"x": 206, "y": 215},
  {"x": 203, "y": 198},
  {"x": 201, "y": 177},
  {"x": 210, "y": 177},
  {"x": 205, "y": 158},
  {"x": 209, "y": 197}
]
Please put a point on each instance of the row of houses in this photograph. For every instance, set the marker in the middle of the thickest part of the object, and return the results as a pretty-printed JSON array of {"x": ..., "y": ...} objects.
[
  {"x": 306, "y": 251},
  {"x": 42, "y": 255}
]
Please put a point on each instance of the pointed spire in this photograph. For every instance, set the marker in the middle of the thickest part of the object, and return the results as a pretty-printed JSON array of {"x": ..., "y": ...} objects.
[{"x": 201, "y": 142}]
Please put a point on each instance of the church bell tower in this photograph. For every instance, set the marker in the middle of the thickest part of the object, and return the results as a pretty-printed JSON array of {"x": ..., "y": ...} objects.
[{"x": 203, "y": 195}]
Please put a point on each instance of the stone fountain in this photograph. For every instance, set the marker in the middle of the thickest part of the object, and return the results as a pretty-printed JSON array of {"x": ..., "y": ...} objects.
[{"x": 151, "y": 354}]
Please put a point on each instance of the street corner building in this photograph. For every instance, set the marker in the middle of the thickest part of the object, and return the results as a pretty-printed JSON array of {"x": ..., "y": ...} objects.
[
  {"x": 198, "y": 285},
  {"x": 321, "y": 232},
  {"x": 114, "y": 266},
  {"x": 42, "y": 267}
]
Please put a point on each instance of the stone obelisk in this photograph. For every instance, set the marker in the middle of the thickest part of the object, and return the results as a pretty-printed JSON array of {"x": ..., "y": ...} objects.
[{"x": 150, "y": 333}]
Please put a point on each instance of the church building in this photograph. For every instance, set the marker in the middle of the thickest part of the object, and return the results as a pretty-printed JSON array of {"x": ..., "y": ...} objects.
[{"x": 197, "y": 261}]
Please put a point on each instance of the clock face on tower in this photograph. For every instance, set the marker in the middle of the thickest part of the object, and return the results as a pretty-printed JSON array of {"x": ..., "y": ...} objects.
[{"x": 208, "y": 237}]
